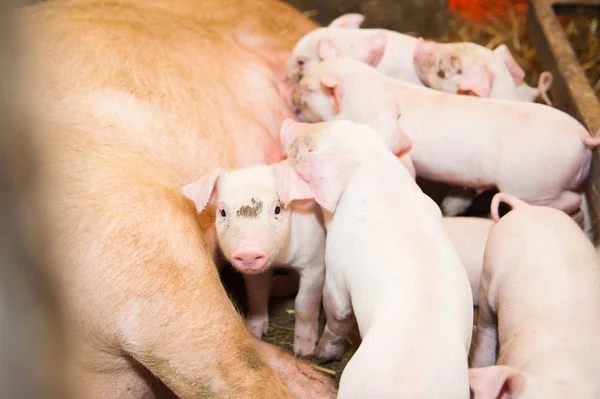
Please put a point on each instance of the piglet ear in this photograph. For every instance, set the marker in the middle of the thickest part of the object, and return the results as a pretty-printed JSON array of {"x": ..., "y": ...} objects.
[
  {"x": 290, "y": 186},
  {"x": 373, "y": 48},
  {"x": 496, "y": 382},
  {"x": 388, "y": 127},
  {"x": 328, "y": 172},
  {"x": 349, "y": 21},
  {"x": 418, "y": 47},
  {"x": 332, "y": 87},
  {"x": 204, "y": 190},
  {"x": 424, "y": 54},
  {"x": 477, "y": 80},
  {"x": 326, "y": 49},
  {"x": 513, "y": 67}
]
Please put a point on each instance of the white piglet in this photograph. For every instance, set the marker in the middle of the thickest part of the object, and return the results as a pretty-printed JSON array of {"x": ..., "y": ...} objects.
[
  {"x": 389, "y": 263},
  {"x": 256, "y": 230},
  {"x": 469, "y": 236},
  {"x": 462, "y": 68},
  {"x": 389, "y": 51},
  {"x": 540, "y": 301},
  {"x": 469, "y": 68},
  {"x": 535, "y": 152}
]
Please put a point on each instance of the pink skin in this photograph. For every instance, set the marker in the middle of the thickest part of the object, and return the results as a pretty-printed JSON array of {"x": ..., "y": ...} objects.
[
  {"x": 539, "y": 301},
  {"x": 388, "y": 51},
  {"x": 469, "y": 236},
  {"x": 137, "y": 98},
  {"x": 468, "y": 68},
  {"x": 489, "y": 146},
  {"x": 255, "y": 236},
  {"x": 249, "y": 259},
  {"x": 379, "y": 268}
]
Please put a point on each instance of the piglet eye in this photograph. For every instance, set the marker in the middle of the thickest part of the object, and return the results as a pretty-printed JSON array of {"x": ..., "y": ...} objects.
[
  {"x": 277, "y": 210},
  {"x": 300, "y": 62},
  {"x": 223, "y": 213}
]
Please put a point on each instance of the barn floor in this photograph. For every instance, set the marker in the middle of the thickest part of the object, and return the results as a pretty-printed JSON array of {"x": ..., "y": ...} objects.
[{"x": 281, "y": 323}]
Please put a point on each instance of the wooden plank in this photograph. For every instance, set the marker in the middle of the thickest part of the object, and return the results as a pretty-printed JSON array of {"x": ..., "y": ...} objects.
[{"x": 570, "y": 90}]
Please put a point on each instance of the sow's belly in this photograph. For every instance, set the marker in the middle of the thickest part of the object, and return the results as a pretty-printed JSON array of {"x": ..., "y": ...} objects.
[{"x": 192, "y": 92}]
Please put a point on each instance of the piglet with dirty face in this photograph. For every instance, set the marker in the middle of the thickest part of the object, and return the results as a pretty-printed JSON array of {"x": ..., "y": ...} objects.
[
  {"x": 538, "y": 153},
  {"x": 257, "y": 228},
  {"x": 539, "y": 300},
  {"x": 389, "y": 263},
  {"x": 469, "y": 68}
]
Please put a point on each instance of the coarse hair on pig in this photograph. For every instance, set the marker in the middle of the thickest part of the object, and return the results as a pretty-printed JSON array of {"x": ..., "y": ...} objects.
[{"x": 252, "y": 220}]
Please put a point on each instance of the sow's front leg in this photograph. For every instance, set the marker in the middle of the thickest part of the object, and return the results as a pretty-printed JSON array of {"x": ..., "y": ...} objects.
[{"x": 150, "y": 285}]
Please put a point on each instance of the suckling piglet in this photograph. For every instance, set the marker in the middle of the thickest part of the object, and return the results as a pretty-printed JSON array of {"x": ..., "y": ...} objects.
[
  {"x": 389, "y": 263},
  {"x": 469, "y": 236},
  {"x": 463, "y": 67},
  {"x": 539, "y": 300},
  {"x": 469, "y": 68},
  {"x": 256, "y": 230},
  {"x": 535, "y": 152},
  {"x": 389, "y": 51}
]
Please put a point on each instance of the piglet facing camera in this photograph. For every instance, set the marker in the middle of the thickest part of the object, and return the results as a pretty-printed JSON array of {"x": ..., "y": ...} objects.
[{"x": 258, "y": 226}]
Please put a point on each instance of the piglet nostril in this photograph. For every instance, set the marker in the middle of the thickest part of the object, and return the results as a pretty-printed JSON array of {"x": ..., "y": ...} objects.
[{"x": 249, "y": 259}]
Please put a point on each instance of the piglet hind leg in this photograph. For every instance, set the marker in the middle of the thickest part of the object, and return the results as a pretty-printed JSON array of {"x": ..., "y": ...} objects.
[
  {"x": 486, "y": 336},
  {"x": 257, "y": 289},
  {"x": 307, "y": 306},
  {"x": 339, "y": 323}
]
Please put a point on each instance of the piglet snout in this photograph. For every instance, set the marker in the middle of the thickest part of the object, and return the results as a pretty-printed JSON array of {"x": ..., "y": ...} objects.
[{"x": 249, "y": 259}]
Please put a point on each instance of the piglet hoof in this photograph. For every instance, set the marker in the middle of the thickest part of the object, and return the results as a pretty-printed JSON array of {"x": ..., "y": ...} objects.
[
  {"x": 258, "y": 325},
  {"x": 305, "y": 345},
  {"x": 327, "y": 351}
]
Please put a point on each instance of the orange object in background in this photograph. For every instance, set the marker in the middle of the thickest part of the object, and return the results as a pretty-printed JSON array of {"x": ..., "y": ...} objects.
[{"x": 478, "y": 10}]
